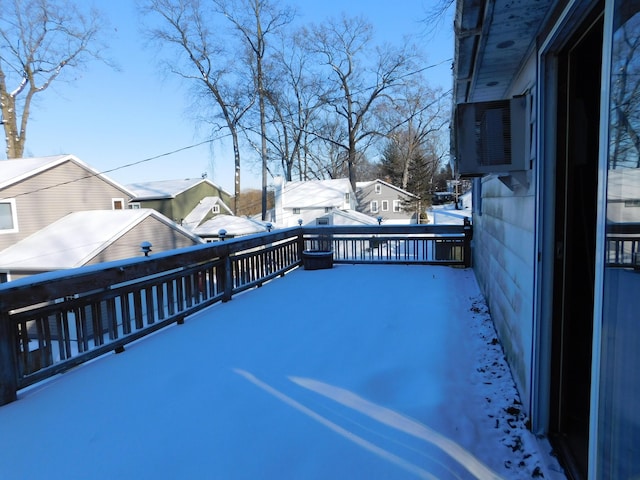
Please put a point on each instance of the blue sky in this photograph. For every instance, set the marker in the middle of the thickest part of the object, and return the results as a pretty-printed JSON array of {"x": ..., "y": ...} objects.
[{"x": 112, "y": 118}]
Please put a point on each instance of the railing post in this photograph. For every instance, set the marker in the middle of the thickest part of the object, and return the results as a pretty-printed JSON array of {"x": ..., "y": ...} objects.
[
  {"x": 468, "y": 235},
  {"x": 8, "y": 365},
  {"x": 300, "y": 245},
  {"x": 228, "y": 278}
]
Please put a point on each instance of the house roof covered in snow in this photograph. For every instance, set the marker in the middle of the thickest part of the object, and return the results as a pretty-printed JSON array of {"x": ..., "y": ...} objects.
[
  {"x": 351, "y": 217},
  {"x": 316, "y": 193},
  {"x": 234, "y": 226},
  {"x": 76, "y": 238},
  {"x": 204, "y": 207},
  {"x": 167, "y": 188},
  {"x": 17, "y": 169}
]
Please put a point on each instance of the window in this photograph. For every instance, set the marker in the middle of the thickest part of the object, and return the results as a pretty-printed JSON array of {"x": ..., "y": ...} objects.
[
  {"x": 215, "y": 209},
  {"x": 8, "y": 218},
  {"x": 347, "y": 197},
  {"x": 397, "y": 206},
  {"x": 328, "y": 209},
  {"x": 117, "y": 203},
  {"x": 385, "y": 205},
  {"x": 296, "y": 211},
  {"x": 618, "y": 449},
  {"x": 134, "y": 206},
  {"x": 4, "y": 277},
  {"x": 374, "y": 206},
  {"x": 322, "y": 221},
  {"x": 378, "y": 188}
]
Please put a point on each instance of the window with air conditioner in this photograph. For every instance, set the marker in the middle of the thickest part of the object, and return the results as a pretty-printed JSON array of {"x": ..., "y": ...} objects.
[{"x": 491, "y": 137}]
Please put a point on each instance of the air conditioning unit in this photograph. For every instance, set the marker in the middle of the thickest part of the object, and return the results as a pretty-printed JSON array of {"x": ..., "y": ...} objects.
[{"x": 490, "y": 137}]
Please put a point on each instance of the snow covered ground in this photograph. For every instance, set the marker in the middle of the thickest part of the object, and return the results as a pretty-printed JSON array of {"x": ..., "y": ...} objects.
[{"x": 358, "y": 372}]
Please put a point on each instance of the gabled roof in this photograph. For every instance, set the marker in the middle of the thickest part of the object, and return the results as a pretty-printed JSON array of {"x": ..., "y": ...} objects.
[
  {"x": 165, "y": 189},
  {"x": 195, "y": 217},
  {"x": 351, "y": 217},
  {"x": 361, "y": 185},
  {"x": 75, "y": 239},
  {"x": 17, "y": 169},
  {"x": 316, "y": 193},
  {"x": 233, "y": 225}
]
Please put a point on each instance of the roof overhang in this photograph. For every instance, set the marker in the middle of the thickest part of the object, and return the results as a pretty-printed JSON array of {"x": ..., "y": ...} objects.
[{"x": 493, "y": 39}]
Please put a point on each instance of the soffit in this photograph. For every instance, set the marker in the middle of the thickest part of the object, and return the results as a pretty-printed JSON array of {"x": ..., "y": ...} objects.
[{"x": 493, "y": 38}]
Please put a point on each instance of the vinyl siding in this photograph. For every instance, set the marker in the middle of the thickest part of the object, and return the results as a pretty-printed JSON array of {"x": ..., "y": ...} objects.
[
  {"x": 54, "y": 193},
  {"x": 368, "y": 194},
  {"x": 504, "y": 246},
  {"x": 161, "y": 236}
]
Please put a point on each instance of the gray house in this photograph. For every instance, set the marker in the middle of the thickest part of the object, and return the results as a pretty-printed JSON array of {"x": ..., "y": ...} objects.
[
  {"x": 35, "y": 192},
  {"x": 547, "y": 122},
  {"x": 378, "y": 198}
]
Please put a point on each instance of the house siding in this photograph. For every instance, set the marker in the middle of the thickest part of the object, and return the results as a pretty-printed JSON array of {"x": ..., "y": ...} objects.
[
  {"x": 50, "y": 195},
  {"x": 504, "y": 244},
  {"x": 368, "y": 194},
  {"x": 161, "y": 236}
]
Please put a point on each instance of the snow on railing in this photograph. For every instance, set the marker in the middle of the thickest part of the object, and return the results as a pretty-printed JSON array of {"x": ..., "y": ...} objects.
[{"x": 52, "y": 322}]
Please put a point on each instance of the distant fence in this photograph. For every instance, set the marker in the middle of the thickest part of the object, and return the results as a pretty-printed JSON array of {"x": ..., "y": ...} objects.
[{"x": 52, "y": 322}]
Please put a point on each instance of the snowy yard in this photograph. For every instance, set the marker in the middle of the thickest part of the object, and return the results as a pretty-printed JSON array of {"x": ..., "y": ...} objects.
[{"x": 358, "y": 372}]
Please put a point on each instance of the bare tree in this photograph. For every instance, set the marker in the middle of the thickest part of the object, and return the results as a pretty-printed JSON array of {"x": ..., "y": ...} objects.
[
  {"x": 362, "y": 75},
  {"x": 416, "y": 118},
  {"x": 294, "y": 98},
  {"x": 39, "y": 40},
  {"x": 187, "y": 27},
  {"x": 255, "y": 21}
]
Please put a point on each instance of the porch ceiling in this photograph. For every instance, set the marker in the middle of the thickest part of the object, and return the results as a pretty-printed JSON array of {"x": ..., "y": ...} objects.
[{"x": 492, "y": 39}]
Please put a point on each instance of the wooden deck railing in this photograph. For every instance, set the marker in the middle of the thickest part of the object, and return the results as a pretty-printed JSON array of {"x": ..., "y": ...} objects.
[
  {"x": 52, "y": 322},
  {"x": 623, "y": 244}
]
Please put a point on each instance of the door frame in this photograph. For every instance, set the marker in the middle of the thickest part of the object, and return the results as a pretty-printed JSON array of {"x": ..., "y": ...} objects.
[{"x": 572, "y": 14}]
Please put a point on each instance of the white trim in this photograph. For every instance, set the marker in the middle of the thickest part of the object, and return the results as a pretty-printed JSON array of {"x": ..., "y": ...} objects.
[
  {"x": 373, "y": 206},
  {"x": 14, "y": 216},
  {"x": 118, "y": 200},
  {"x": 601, "y": 220}
]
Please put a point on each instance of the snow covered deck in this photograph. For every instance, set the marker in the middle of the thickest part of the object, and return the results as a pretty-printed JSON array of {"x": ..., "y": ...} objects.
[{"x": 357, "y": 372}]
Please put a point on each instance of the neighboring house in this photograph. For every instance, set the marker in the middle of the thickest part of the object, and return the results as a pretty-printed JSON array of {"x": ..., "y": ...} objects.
[
  {"x": 90, "y": 237},
  {"x": 381, "y": 199},
  {"x": 35, "y": 192},
  {"x": 189, "y": 202},
  {"x": 547, "y": 120},
  {"x": 307, "y": 201},
  {"x": 232, "y": 225}
]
